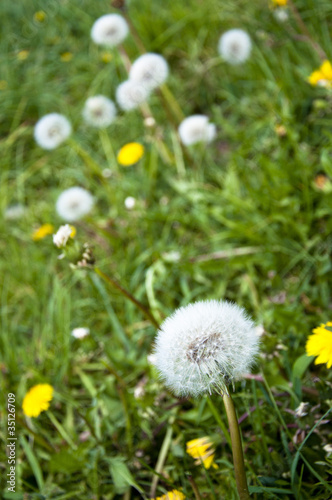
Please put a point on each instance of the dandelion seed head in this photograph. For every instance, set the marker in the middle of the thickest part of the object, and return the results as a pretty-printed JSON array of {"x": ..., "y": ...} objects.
[
  {"x": 51, "y": 130},
  {"x": 99, "y": 111},
  {"x": 130, "y": 202},
  {"x": 80, "y": 333},
  {"x": 149, "y": 70},
  {"x": 13, "y": 212},
  {"x": 281, "y": 15},
  {"x": 235, "y": 46},
  {"x": 196, "y": 128},
  {"x": 204, "y": 346},
  {"x": 109, "y": 30},
  {"x": 74, "y": 203},
  {"x": 130, "y": 94}
]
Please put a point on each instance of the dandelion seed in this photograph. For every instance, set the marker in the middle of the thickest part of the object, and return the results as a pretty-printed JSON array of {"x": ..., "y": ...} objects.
[
  {"x": 109, "y": 30},
  {"x": 99, "y": 111},
  {"x": 235, "y": 46},
  {"x": 196, "y": 128},
  {"x": 42, "y": 231},
  {"x": 130, "y": 202},
  {"x": 37, "y": 400},
  {"x": 281, "y": 15},
  {"x": 80, "y": 333},
  {"x": 74, "y": 203},
  {"x": 320, "y": 344},
  {"x": 323, "y": 76},
  {"x": 205, "y": 346},
  {"x": 149, "y": 70},
  {"x": 129, "y": 95},
  {"x": 130, "y": 154},
  {"x": 14, "y": 212},
  {"x": 51, "y": 130},
  {"x": 301, "y": 410},
  {"x": 203, "y": 451},
  {"x": 63, "y": 234}
]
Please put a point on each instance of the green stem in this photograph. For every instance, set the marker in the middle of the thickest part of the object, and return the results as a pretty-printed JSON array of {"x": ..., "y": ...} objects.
[
  {"x": 240, "y": 475},
  {"x": 127, "y": 294},
  {"x": 61, "y": 430},
  {"x": 108, "y": 149},
  {"x": 161, "y": 459},
  {"x": 195, "y": 488}
]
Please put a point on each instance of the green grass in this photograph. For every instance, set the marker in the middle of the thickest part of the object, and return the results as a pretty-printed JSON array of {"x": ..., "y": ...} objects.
[{"x": 249, "y": 189}]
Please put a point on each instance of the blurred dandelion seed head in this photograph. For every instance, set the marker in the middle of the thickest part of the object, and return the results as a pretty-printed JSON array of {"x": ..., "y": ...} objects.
[
  {"x": 235, "y": 46},
  {"x": 14, "y": 212},
  {"x": 74, "y": 203},
  {"x": 80, "y": 333},
  {"x": 149, "y": 70},
  {"x": 51, "y": 130},
  {"x": 281, "y": 15},
  {"x": 99, "y": 111},
  {"x": 196, "y": 128},
  {"x": 130, "y": 94},
  {"x": 109, "y": 30},
  {"x": 204, "y": 346},
  {"x": 130, "y": 202}
]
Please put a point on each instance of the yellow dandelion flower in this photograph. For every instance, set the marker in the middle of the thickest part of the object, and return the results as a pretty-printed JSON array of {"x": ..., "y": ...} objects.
[
  {"x": 42, "y": 231},
  {"x": 130, "y": 154},
  {"x": 66, "y": 56},
  {"x": 37, "y": 399},
  {"x": 171, "y": 495},
  {"x": 203, "y": 451},
  {"x": 320, "y": 344},
  {"x": 280, "y": 3},
  {"x": 322, "y": 76},
  {"x": 106, "y": 57},
  {"x": 22, "y": 55},
  {"x": 39, "y": 16}
]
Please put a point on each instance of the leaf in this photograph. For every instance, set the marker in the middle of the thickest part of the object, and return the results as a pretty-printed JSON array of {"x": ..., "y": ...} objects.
[
  {"x": 261, "y": 489},
  {"x": 121, "y": 475},
  {"x": 33, "y": 462},
  {"x": 300, "y": 366}
]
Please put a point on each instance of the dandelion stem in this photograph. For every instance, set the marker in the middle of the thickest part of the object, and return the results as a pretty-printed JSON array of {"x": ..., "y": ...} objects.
[
  {"x": 115, "y": 284},
  {"x": 240, "y": 475},
  {"x": 161, "y": 459},
  {"x": 194, "y": 487}
]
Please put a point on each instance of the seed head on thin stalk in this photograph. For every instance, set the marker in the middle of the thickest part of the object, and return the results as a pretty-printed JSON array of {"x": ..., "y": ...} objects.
[
  {"x": 99, "y": 111},
  {"x": 51, "y": 130},
  {"x": 204, "y": 347},
  {"x": 109, "y": 30},
  {"x": 196, "y": 128},
  {"x": 150, "y": 70},
  {"x": 235, "y": 46},
  {"x": 74, "y": 203},
  {"x": 130, "y": 94}
]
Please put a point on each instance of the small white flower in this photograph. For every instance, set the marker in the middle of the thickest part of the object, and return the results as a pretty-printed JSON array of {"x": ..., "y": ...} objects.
[
  {"x": 130, "y": 202},
  {"x": 14, "y": 212},
  {"x": 204, "y": 346},
  {"x": 107, "y": 173},
  {"x": 301, "y": 410},
  {"x": 149, "y": 121},
  {"x": 172, "y": 256},
  {"x": 109, "y": 30},
  {"x": 328, "y": 449},
  {"x": 281, "y": 15},
  {"x": 80, "y": 333},
  {"x": 99, "y": 111},
  {"x": 51, "y": 130},
  {"x": 130, "y": 94},
  {"x": 74, "y": 203},
  {"x": 61, "y": 237},
  {"x": 150, "y": 70},
  {"x": 196, "y": 128},
  {"x": 235, "y": 46}
]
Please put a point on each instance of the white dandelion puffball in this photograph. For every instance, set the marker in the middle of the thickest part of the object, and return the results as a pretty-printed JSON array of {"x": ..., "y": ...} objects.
[
  {"x": 74, "y": 203},
  {"x": 196, "y": 128},
  {"x": 130, "y": 94},
  {"x": 281, "y": 15},
  {"x": 13, "y": 212},
  {"x": 235, "y": 46},
  {"x": 61, "y": 237},
  {"x": 150, "y": 70},
  {"x": 51, "y": 130},
  {"x": 130, "y": 202},
  {"x": 80, "y": 333},
  {"x": 99, "y": 111},
  {"x": 109, "y": 30},
  {"x": 204, "y": 346}
]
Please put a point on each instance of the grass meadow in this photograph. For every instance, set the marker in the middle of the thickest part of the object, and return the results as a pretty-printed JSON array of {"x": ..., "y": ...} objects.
[{"x": 245, "y": 218}]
